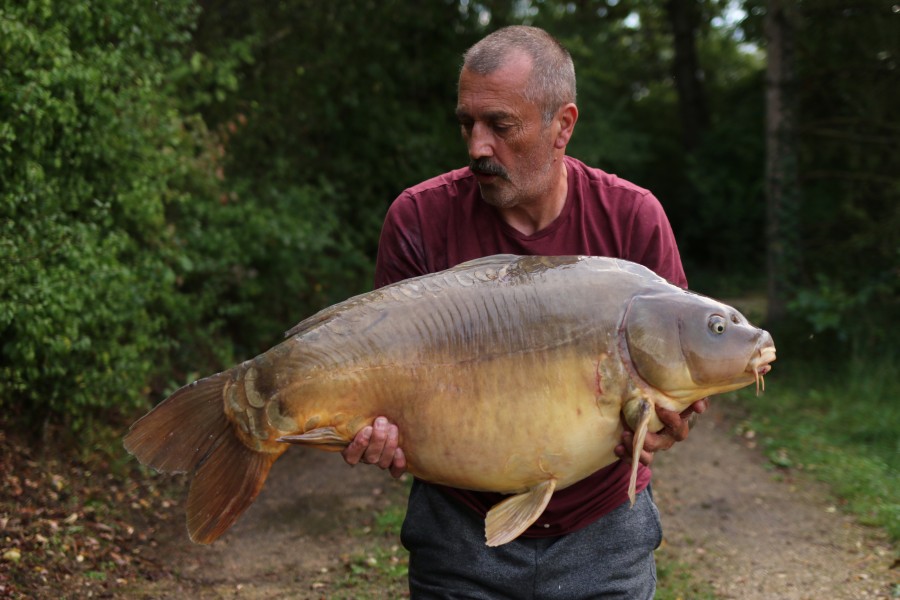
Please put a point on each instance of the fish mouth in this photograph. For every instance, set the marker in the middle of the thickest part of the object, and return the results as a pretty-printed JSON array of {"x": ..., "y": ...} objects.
[{"x": 761, "y": 363}]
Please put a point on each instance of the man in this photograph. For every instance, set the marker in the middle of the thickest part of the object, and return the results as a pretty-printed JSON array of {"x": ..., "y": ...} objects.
[{"x": 522, "y": 195}]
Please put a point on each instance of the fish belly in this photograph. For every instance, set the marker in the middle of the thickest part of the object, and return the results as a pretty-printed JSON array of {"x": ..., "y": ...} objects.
[{"x": 500, "y": 424}]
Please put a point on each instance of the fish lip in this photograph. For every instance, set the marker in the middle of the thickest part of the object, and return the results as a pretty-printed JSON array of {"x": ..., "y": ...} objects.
[
  {"x": 762, "y": 359},
  {"x": 761, "y": 362}
]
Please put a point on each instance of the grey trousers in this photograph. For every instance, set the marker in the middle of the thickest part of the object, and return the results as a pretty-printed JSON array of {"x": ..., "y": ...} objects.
[{"x": 611, "y": 558}]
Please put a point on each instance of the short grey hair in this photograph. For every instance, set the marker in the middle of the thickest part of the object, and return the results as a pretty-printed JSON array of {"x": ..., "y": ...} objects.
[{"x": 552, "y": 81}]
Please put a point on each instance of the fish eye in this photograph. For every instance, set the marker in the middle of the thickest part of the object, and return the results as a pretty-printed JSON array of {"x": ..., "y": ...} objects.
[{"x": 717, "y": 324}]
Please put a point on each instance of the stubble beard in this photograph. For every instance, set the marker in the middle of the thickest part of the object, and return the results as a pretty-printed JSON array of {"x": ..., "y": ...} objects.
[{"x": 508, "y": 191}]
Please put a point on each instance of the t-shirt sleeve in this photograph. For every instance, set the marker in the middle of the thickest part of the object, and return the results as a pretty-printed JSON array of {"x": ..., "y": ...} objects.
[
  {"x": 401, "y": 253},
  {"x": 652, "y": 242}
]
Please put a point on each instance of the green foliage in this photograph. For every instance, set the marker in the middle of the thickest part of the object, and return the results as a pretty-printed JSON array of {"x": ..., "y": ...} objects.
[
  {"x": 846, "y": 254},
  {"x": 849, "y": 128},
  {"x": 253, "y": 263},
  {"x": 357, "y": 97},
  {"x": 89, "y": 150},
  {"x": 131, "y": 266},
  {"x": 856, "y": 316},
  {"x": 721, "y": 224}
]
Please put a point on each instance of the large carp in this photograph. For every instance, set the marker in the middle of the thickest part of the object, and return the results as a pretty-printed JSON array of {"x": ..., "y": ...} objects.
[{"x": 505, "y": 374}]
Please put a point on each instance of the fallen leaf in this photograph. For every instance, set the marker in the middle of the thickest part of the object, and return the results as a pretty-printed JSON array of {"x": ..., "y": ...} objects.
[{"x": 12, "y": 555}]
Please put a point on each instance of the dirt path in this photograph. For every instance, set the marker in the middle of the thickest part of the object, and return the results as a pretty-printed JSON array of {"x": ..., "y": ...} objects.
[
  {"x": 291, "y": 543},
  {"x": 748, "y": 534},
  {"x": 755, "y": 534}
]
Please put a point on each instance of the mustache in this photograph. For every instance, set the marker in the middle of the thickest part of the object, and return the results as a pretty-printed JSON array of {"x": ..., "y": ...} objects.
[{"x": 484, "y": 166}]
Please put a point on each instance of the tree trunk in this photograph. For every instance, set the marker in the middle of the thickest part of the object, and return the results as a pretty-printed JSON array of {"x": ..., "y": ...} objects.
[
  {"x": 781, "y": 159},
  {"x": 692, "y": 105}
]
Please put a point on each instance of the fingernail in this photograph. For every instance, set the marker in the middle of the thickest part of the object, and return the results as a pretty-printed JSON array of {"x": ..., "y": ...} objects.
[{"x": 380, "y": 422}]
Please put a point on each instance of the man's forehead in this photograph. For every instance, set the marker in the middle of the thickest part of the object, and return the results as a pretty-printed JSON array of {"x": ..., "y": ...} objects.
[{"x": 492, "y": 97}]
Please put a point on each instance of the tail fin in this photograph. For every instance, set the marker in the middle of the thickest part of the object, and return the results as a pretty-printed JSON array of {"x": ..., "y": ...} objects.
[{"x": 189, "y": 432}]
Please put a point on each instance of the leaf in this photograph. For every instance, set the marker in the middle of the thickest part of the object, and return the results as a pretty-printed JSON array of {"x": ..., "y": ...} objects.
[{"x": 13, "y": 555}]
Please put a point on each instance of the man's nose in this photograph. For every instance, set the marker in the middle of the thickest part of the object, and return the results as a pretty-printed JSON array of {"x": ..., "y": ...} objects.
[{"x": 480, "y": 142}]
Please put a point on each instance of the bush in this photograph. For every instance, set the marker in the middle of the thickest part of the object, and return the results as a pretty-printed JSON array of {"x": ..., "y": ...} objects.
[
  {"x": 130, "y": 265},
  {"x": 93, "y": 151}
]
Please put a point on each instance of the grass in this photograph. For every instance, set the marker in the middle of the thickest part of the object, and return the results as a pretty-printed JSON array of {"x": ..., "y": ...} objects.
[
  {"x": 379, "y": 570},
  {"x": 675, "y": 581},
  {"x": 841, "y": 424}
]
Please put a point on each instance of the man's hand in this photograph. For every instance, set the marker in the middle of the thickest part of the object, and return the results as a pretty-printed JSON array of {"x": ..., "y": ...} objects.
[
  {"x": 676, "y": 429},
  {"x": 376, "y": 444}
]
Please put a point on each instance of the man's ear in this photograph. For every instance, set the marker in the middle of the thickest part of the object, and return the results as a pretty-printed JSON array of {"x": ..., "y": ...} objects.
[{"x": 566, "y": 117}]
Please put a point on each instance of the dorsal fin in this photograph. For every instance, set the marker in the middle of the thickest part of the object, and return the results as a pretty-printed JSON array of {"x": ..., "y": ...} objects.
[{"x": 496, "y": 261}]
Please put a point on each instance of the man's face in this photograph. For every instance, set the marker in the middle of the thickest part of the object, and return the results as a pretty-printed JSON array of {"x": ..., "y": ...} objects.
[{"x": 510, "y": 148}]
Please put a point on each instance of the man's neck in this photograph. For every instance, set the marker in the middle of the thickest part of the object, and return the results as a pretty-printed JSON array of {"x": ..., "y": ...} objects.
[{"x": 530, "y": 217}]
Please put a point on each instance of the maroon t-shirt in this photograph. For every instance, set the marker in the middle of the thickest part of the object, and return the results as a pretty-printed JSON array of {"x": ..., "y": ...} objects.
[{"x": 443, "y": 222}]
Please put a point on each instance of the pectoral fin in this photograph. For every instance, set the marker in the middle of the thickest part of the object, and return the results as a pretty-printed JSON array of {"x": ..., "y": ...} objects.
[
  {"x": 641, "y": 413},
  {"x": 321, "y": 438},
  {"x": 508, "y": 519}
]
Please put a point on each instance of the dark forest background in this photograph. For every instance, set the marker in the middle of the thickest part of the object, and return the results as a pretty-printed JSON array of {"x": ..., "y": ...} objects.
[{"x": 182, "y": 181}]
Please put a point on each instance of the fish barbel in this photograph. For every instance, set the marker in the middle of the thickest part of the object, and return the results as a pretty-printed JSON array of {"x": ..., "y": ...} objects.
[{"x": 505, "y": 374}]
